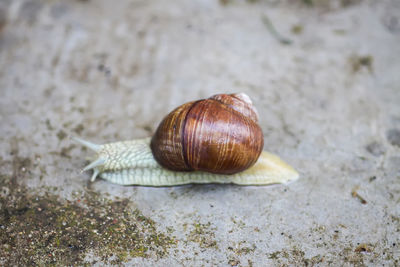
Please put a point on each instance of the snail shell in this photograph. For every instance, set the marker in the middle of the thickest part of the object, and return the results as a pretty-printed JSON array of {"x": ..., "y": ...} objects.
[{"x": 219, "y": 135}]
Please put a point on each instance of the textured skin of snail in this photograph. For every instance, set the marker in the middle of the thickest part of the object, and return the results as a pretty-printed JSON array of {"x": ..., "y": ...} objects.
[{"x": 132, "y": 163}]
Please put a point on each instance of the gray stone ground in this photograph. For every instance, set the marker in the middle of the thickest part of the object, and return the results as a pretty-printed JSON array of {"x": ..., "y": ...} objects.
[{"x": 324, "y": 75}]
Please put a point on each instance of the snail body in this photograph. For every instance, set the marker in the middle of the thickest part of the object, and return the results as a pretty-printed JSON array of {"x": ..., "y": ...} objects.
[{"x": 215, "y": 140}]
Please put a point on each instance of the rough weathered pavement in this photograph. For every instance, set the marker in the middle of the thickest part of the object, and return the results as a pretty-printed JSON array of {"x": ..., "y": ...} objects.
[{"x": 324, "y": 76}]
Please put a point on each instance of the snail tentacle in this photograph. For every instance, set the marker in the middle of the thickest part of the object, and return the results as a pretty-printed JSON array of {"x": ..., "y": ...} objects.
[
  {"x": 94, "y": 164},
  {"x": 94, "y": 175},
  {"x": 87, "y": 144}
]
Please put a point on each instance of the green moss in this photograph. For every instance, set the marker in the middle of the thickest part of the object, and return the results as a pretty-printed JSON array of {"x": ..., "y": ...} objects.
[
  {"x": 274, "y": 255},
  {"x": 231, "y": 2},
  {"x": 355, "y": 255},
  {"x": 44, "y": 230},
  {"x": 203, "y": 235},
  {"x": 308, "y": 2},
  {"x": 297, "y": 29},
  {"x": 233, "y": 262},
  {"x": 240, "y": 248},
  {"x": 79, "y": 128},
  {"x": 339, "y": 31},
  {"x": 61, "y": 135},
  {"x": 239, "y": 223},
  {"x": 294, "y": 256},
  {"x": 358, "y": 62},
  {"x": 66, "y": 150},
  {"x": 245, "y": 250},
  {"x": 48, "y": 125}
]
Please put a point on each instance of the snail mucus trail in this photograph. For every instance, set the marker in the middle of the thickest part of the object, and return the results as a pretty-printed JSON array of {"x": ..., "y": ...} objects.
[{"x": 214, "y": 140}]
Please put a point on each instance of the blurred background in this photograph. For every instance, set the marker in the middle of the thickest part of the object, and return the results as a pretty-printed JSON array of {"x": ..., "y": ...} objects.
[{"x": 323, "y": 74}]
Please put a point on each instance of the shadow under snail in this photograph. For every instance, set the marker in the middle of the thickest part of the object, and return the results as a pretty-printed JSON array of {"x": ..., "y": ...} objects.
[{"x": 214, "y": 140}]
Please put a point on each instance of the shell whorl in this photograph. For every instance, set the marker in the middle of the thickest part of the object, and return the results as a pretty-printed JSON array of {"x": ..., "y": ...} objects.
[
  {"x": 239, "y": 102},
  {"x": 218, "y": 135}
]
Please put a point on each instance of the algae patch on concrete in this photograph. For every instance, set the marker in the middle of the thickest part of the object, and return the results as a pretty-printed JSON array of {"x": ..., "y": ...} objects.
[
  {"x": 45, "y": 230},
  {"x": 203, "y": 234}
]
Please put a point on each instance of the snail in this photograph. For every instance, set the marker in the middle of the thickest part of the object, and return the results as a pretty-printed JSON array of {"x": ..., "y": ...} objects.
[{"x": 214, "y": 140}]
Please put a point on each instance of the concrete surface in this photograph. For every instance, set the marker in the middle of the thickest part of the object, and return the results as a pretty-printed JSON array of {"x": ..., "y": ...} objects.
[{"x": 324, "y": 75}]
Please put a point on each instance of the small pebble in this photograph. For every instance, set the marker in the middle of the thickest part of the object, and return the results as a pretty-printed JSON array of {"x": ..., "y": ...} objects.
[
  {"x": 375, "y": 149},
  {"x": 393, "y": 136}
]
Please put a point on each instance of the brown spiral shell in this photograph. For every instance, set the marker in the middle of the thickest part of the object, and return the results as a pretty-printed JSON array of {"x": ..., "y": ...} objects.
[{"x": 218, "y": 135}]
